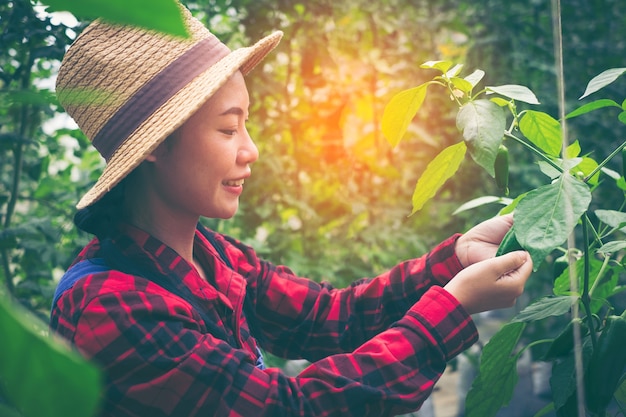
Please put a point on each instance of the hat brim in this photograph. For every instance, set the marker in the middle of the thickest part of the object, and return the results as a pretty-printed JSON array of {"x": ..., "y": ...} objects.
[{"x": 173, "y": 113}]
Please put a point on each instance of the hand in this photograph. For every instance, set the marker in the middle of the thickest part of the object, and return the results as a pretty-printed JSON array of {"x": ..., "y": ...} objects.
[
  {"x": 481, "y": 241},
  {"x": 493, "y": 283}
]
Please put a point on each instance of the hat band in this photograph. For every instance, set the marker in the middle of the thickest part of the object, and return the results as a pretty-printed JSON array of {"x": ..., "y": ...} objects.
[{"x": 156, "y": 92}]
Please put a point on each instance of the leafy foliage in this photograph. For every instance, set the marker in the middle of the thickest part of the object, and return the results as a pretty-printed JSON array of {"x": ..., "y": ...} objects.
[
  {"x": 544, "y": 218},
  {"x": 164, "y": 14}
]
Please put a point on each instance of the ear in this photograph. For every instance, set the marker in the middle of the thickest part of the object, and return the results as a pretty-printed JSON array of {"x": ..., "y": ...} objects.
[
  {"x": 163, "y": 148},
  {"x": 160, "y": 150}
]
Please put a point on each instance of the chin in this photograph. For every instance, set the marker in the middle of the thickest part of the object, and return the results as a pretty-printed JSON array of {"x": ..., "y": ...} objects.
[{"x": 224, "y": 214}]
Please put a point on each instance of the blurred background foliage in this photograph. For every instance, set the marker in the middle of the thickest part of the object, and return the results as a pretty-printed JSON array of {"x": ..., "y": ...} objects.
[{"x": 328, "y": 197}]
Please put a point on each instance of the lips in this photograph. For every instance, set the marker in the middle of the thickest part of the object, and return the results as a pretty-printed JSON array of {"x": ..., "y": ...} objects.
[{"x": 234, "y": 183}]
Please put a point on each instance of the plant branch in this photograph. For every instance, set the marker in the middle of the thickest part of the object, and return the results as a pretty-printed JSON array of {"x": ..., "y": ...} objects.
[
  {"x": 606, "y": 160},
  {"x": 531, "y": 344},
  {"x": 585, "y": 298},
  {"x": 534, "y": 150},
  {"x": 598, "y": 280}
]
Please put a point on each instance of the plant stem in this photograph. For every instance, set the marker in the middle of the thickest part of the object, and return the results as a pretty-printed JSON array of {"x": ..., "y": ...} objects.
[
  {"x": 598, "y": 280},
  {"x": 534, "y": 150},
  {"x": 531, "y": 344},
  {"x": 606, "y": 160},
  {"x": 585, "y": 298}
]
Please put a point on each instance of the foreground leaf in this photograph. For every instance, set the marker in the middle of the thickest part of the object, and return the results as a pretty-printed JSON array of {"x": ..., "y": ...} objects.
[
  {"x": 546, "y": 307},
  {"x": 493, "y": 387},
  {"x": 438, "y": 171},
  {"x": 161, "y": 15},
  {"x": 482, "y": 123},
  {"x": 547, "y": 215},
  {"x": 41, "y": 377}
]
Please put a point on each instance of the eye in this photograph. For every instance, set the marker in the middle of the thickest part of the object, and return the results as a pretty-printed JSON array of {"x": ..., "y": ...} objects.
[{"x": 229, "y": 132}]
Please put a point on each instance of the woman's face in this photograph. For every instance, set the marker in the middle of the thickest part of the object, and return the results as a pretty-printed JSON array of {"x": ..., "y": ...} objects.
[{"x": 200, "y": 171}]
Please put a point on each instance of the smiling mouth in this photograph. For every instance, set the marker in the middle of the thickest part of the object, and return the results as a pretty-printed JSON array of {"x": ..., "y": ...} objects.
[{"x": 234, "y": 183}]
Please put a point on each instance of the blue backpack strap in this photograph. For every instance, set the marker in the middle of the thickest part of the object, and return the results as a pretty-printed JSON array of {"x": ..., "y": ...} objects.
[{"x": 76, "y": 272}]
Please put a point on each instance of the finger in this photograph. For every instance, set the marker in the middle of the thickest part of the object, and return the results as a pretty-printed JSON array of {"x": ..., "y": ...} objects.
[
  {"x": 511, "y": 261},
  {"x": 524, "y": 271}
]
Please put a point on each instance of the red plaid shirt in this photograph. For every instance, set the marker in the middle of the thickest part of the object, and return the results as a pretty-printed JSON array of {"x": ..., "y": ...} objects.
[{"x": 377, "y": 348}]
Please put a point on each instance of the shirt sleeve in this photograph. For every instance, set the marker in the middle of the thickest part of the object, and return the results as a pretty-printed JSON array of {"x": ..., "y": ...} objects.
[
  {"x": 301, "y": 318},
  {"x": 158, "y": 363}
]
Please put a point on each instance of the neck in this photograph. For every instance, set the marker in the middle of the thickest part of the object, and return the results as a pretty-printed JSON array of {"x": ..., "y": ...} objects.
[
  {"x": 178, "y": 235},
  {"x": 176, "y": 230}
]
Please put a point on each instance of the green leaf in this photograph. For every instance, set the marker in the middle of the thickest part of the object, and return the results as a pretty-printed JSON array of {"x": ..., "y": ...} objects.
[
  {"x": 594, "y": 105},
  {"x": 475, "y": 77},
  {"x": 546, "y": 307},
  {"x": 620, "y": 393},
  {"x": 36, "y": 98},
  {"x": 516, "y": 92},
  {"x": 482, "y": 123},
  {"x": 454, "y": 71},
  {"x": 500, "y": 101},
  {"x": 6, "y": 411},
  {"x": 611, "y": 173},
  {"x": 622, "y": 117},
  {"x": 547, "y": 215},
  {"x": 160, "y": 15},
  {"x": 573, "y": 150},
  {"x": 438, "y": 171},
  {"x": 481, "y": 201},
  {"x": 400, "y": 111},
  {"x": 542, "y": 130},
  {"x": 511, "y": 207},
  {"x": 442, "y": 66},
  {"x": 546, "y": 410},
  {"x": 493, "y": 387},
  {"x": 462, "y": 84},
  {"x": 509, "y": 243},
  {"x": 602, "y": 80},
  {"x": 587, "y": 166},
  {"x": 563, "y": 380},
  {"x": 612, "y": 247},
  {"x": 46, "y": 187},
  {"x": 562, "y": 282},
  {"x": 42, "y": 377},
  {"x": 615, "y": 219}
]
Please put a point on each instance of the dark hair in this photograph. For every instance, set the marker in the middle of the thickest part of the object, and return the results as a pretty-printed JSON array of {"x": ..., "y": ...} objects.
[{"x": 101, "y": 218}]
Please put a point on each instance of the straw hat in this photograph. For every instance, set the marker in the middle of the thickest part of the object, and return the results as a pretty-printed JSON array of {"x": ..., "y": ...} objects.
[{"x": 128, "y": 88}]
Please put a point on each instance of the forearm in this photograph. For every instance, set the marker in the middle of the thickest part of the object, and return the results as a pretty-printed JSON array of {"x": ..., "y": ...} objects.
[
  {"x": 316, "y": 320},
  {"x": 394, "y": 372}
]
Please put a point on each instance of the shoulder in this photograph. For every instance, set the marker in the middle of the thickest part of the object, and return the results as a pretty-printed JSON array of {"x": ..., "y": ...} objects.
[
  {"x": 239, "y": 254},
  {"x": 97, "y": 284}
]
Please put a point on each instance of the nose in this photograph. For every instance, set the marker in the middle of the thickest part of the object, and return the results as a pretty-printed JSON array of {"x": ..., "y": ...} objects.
[{"x": 248, "y": 152}]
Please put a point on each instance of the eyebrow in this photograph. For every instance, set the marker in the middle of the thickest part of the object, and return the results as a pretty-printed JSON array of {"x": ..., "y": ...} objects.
[{"x": 237, "y": 111}]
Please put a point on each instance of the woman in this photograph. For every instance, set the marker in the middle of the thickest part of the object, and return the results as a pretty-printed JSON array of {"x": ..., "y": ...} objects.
[{"x": 175, "y": 313}]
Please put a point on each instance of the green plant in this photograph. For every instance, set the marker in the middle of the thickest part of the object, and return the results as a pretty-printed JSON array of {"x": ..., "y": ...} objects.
[{"x": 545, "y": 219}]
